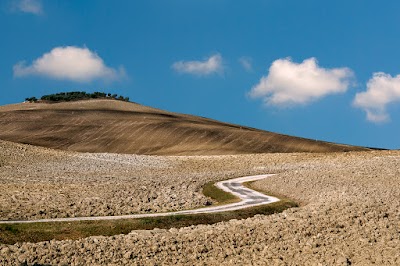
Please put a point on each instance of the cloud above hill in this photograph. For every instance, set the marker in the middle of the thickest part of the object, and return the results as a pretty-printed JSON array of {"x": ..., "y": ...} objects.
[
  {"x": 289, "y": 83},
  {"x": 382, "y": 90},
  {"x": 209, "y": 66},
  {"x": 28, "y": 6},
  {"x": 246, "y": 63},
  {"x": 69, "y": 63}
]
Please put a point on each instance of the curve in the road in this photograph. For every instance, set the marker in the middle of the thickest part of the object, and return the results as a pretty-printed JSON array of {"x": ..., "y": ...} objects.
[{"x": 248, "y": 198}]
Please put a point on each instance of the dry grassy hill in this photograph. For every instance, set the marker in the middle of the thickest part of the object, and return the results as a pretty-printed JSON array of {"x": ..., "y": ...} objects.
[{"x": 124, "y": 127}]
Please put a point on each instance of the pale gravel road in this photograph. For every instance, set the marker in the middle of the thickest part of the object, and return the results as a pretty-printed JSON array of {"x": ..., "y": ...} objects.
[{"x": 249, "y": 198}]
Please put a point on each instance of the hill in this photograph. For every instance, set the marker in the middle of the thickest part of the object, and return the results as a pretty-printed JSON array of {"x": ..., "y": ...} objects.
[{"x": 104, "y": 125}]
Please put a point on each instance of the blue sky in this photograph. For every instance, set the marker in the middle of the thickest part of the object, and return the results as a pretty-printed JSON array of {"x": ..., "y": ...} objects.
[{"x": 317, "y": 69}]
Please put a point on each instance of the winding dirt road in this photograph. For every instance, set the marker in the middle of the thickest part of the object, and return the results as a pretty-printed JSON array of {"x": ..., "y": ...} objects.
[{"x": 248, "y": 198}]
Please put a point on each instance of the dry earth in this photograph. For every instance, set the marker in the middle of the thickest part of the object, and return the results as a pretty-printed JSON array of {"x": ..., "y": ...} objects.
[
  {"x": 120, "y": 127},
  {"x": 350, "y": 212},
  {"x": 42, "y": 183}
]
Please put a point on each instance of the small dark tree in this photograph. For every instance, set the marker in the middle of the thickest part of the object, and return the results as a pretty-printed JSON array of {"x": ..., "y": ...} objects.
[{"x": 31, "y": 99}]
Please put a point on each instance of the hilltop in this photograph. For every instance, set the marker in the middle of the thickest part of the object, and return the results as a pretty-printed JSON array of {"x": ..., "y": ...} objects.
[
  {"x": 107, "y": 125},
  {"x": 75, "y": 96}
]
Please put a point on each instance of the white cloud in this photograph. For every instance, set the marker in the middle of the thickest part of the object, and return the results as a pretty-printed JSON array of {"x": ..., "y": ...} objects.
[
  {"x": 289, "y": 83},
  {"x": 29, "y": 6},
  {"x": 69, "y": 63},
  {"x": 246, "y": 63},
  {"x": 209, "y": 66},
  {"x": 382, "y": 89}
]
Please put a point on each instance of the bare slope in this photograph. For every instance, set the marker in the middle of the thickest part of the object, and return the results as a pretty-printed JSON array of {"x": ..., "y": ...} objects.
[{"x": 121, "y": 127}]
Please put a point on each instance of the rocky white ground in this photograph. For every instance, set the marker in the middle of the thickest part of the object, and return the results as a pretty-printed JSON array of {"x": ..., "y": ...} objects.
[
  {"x": 350, "y": 213},
  {"x": 247, "y": 198},
  {"x": 39, "y": 183}
]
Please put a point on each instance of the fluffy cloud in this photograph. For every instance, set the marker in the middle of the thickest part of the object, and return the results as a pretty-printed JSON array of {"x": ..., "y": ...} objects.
[
  {"x": 209, "y": 66},
  {"x": 29, "y": 6},
  {"x": 69, "y": 63},
  {"x": 289, "y": 83},
  {"x": 382, "y": 89},
  {"x": 246, "y": 63}
]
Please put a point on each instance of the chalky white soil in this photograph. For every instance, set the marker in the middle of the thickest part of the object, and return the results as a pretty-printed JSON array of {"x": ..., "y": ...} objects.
[
  {"x": 350, "y": 211},
  {"x": 42, "y": 183}
]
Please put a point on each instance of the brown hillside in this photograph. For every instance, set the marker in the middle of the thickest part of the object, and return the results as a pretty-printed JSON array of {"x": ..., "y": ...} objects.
[{"x": 123, "y": 127}]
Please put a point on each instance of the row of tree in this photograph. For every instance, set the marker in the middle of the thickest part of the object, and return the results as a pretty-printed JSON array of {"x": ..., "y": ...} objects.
[{"x": 75, "y": 96}]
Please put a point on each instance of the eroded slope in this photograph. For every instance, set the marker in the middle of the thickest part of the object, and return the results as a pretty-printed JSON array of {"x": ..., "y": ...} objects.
[{"x": 120, "y": 127}]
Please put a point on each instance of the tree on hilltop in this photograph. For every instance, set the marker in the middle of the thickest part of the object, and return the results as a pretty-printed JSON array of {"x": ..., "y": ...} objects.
[
  {"x": 76, "y": 96},
  {"x": 31, "y": 99}
]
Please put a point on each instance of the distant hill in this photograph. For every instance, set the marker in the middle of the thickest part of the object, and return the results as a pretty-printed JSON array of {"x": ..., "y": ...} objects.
[{"x": 105, "y": 125}]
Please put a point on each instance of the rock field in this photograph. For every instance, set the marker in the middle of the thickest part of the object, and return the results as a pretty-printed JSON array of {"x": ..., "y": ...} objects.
[
  {"x": 349, "y": 214},
  {"x": 42, "y": 183}
]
